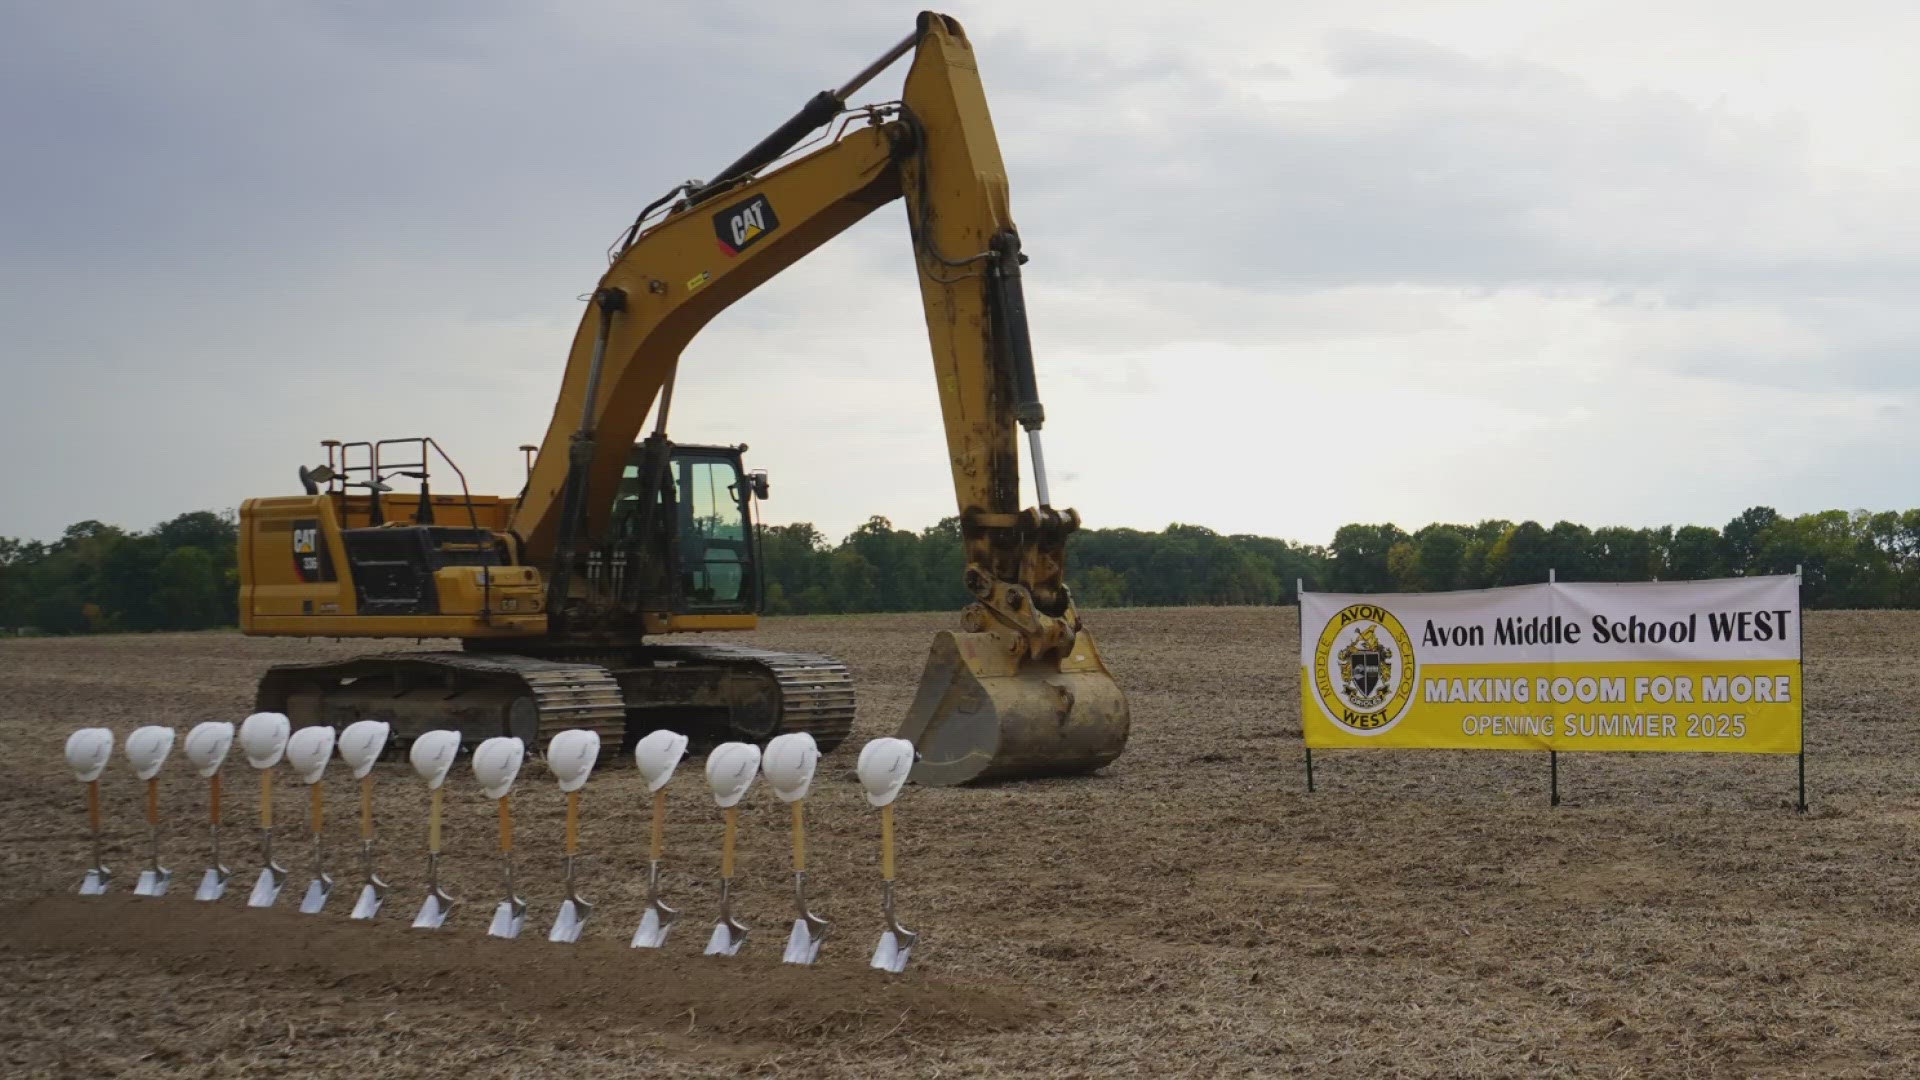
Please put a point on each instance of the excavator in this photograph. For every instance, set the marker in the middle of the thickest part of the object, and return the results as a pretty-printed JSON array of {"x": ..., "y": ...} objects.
[{"x": 558, "y": 597}]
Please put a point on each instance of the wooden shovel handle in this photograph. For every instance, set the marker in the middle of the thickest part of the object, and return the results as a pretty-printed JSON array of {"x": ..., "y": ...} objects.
[
  {"x": 153, "y": 801},
  {"x": 317, "y": 813},
  {"x": 573, "y": 822},
  {"x": 659, "y": 824},
  {"x": 799, "y": 836},
  {"x": 266, "y": 798},
  {"x": 433, "y": 824},
  {"x": 213, "y": 799},
  {"x": 366, "y": 807},
  {"x": 726, "y": 845},
  {"x": 506, "y": 826},
  {"x": 886, "y": 842},
  {"x": 93, "y": 805}
]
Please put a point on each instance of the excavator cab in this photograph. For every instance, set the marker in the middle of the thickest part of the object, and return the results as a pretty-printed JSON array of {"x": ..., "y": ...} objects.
[{"x": 698, "y": 525}]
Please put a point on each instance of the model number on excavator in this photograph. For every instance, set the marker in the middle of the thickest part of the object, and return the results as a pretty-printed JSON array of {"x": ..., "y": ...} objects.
[{"x": 739, "y": 227}]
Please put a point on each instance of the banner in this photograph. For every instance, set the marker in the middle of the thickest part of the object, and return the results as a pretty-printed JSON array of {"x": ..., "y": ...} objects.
[{"x": 1666, "y": 666}]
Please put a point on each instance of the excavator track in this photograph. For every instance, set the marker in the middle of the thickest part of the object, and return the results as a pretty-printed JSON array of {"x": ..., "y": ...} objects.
[
  {"x": 815, "y": 693},
  {"x": 712, "y": 693}
]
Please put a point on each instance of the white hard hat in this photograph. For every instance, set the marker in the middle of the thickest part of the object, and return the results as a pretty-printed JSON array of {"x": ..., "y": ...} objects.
[
  {"x": 788, "y": 765},
  {"x": 658, "y": 755},
  {"x": 207, "y": 746},
  {"x": 730, "y": 771},
  {"x": 263, "y": 736},
  {"x": 147, "y": 750},
  {"x": 360, "y": 744},
  {"x": 432, "y": 755},
  {"x": 496, "y": 762},
  {"x": 883, "y": 768},
  {"x": 309, "y": 751},
  {"x": 88, "y": 751},
  {"x": 571, "y": 755}
]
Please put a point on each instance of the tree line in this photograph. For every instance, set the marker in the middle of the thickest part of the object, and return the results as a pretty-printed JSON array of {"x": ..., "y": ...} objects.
[{"x": 182, "y": 575}]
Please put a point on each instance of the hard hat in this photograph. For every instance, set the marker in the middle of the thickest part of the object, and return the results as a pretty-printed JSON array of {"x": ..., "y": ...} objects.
[
  {"x": 432, "y": 755},
  {"x": 263, "y": 736},
  {"x": 658, "y": 755},
  {"x": 883, "y": 768},
  {"x": 730, "y": 771},
  {"x": 360, "y": 744},
  {"x": 571, "y": 755},
  {"x": 147, "y": 750},
  {"x": 496, "y": 762},
  {"x": 88, "y": 751},
  {"x": 788, "y": 765},
  {"x": 309, "y": 751},
  {"x": 207, "y": 746}
]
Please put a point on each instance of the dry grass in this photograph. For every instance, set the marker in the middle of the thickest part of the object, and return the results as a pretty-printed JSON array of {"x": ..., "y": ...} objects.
[{"x": 1190, "y": 911}]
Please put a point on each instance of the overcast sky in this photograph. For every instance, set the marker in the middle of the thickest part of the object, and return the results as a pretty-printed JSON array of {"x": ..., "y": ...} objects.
[{"x": 1293, "y": 265}]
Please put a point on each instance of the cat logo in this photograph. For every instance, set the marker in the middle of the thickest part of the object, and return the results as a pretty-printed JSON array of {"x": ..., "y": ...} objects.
[
  {"x": 741, "y": 226},
  {"x": 310, "y": 558},
  {"x": 1363, "y": 669}
]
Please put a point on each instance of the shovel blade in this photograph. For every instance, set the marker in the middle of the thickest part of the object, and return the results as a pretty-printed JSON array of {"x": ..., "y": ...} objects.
[
  {"x": 369, "y": 903},
  {"x": 566, "y": 925},
  {"x": 266, "y": 889},
  {"x": 213, "y": 885},
  {"x": 981, "y": 715},
  {"x": 725, "y": 941},
  {"x": 318, "y": 890},
  {"x": 891, "y": 953},
  {"x": 432, "y": 915},
  {"x": 802, "y": 946},
  {"x": 508, "y": 918},
  {"x": 653, "y": 931},
  {"x": 153, "y": 882},
  {"x": 95, "y": 883}
]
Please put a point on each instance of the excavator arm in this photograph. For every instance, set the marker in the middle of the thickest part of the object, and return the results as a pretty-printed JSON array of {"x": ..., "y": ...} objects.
[{"x": 1021, "y": 687}]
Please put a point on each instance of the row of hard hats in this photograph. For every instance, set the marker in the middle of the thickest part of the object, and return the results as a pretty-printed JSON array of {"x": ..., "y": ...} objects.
[{"x": 788, "y": 761}]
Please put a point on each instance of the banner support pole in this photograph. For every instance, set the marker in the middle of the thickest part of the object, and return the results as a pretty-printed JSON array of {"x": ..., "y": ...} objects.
[
  {"x": 1300, "y": 612},
  {"x": 1799, "y": 630},
  {"x": 1309, "y": 770},
  {"x": 1553, "y": 756}
]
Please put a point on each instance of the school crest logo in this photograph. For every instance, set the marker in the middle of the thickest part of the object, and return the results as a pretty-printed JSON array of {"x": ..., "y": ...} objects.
[{"x": 1363, "y": 669}]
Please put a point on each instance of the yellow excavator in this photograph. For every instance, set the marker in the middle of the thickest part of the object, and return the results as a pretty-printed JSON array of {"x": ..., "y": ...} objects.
[{"x": 554, "y": 595}]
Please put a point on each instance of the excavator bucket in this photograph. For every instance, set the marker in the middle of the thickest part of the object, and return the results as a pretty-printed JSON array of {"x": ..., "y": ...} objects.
[{"x": 980, "y": 714}]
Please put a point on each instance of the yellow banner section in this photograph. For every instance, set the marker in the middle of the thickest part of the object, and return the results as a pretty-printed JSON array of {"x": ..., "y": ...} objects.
[{"x": 1709, "y": 706}]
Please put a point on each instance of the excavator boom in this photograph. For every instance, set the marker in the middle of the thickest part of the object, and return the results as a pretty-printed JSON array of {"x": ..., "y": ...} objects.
[{"x": 1021, "y": 687}]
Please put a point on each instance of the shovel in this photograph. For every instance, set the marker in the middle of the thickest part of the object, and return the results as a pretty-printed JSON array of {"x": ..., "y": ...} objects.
[
  {"x": 433, "y": 912},
  {"x": 88, "y": 751},
  {"x": 213, "y": 883},
  {"x": 266, "y": 887},
  {"x": 321, "y": 887},
  {"x": 809, "y": 930},
  {"x": 883, "y": 769},
  {"x": 95, "y": 883},
  {"x": 511, "y": 914},
  {"x": 729, "y": 933},
  {"x": 155, "y": 878},
  {"x": 374, "y": 892},
  {"x": 896, "y": 942},
  {"x": 731, "y": 768},
  {"x": 658, "y": 920},
  {"x": 207, "y": 746},
  {"x": 574, "y": 912}
]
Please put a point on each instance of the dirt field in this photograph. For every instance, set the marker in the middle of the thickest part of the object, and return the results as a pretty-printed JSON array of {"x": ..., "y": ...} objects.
[{"x": 1192, "y": 911}]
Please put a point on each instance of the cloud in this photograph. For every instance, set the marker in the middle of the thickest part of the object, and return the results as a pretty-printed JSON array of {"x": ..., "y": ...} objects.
[{"x": 1521, "y": 273}]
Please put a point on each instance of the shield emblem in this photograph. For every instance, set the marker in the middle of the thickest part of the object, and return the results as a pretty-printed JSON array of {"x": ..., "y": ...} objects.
[{"x": 1366, "y": 670}]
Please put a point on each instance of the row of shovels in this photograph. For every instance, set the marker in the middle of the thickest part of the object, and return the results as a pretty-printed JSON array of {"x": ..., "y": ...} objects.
[{"x": 788, "y": 764}]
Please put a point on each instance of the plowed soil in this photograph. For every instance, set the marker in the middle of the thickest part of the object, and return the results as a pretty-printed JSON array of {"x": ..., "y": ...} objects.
[{"x": 1190, "y": 911}]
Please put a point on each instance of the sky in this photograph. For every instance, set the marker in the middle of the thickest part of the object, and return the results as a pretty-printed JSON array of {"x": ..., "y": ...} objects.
[{"x": 1292, "y": 265}]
